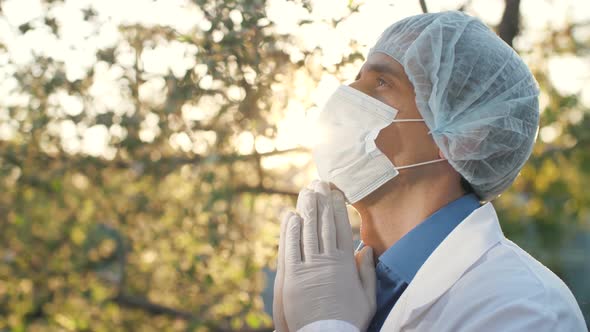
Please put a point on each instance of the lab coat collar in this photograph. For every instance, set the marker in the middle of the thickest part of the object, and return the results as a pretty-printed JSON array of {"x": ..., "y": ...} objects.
[
  {"x": 405, "y": 257},
  {"x": 454, "y": 256}
]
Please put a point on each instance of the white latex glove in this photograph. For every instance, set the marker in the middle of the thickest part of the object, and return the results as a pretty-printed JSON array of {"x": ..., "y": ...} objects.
[
  {"x": 278, "y": 315},
  {"x": 320, "y": 278}
]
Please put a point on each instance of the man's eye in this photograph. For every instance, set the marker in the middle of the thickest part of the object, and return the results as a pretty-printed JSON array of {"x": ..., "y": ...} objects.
[{"x": 381, "y": 82}]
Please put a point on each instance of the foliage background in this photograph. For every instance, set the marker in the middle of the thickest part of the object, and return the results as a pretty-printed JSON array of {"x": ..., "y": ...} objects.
[{"x": 147, "y": 149}]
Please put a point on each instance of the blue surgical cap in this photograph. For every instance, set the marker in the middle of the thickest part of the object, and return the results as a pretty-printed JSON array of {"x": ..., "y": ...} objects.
[{"x": 476, "y": 95}]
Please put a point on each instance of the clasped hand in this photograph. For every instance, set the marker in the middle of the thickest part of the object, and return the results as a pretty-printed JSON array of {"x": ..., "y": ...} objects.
[{"x": 317, "y": 278}]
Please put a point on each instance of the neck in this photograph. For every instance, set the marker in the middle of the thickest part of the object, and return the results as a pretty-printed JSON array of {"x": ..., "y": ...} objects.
[{"x": 397, "y": 207}]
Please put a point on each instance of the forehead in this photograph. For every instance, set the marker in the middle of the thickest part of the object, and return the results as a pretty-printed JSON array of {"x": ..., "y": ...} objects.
[
  {"x": 382, "y": 62},
  {"x": 379, "y": 58},
  {"x": 386, "y": 65}
]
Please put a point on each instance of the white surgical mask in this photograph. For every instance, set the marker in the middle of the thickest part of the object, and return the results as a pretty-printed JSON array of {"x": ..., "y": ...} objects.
[{"x": 345, "y": 152}]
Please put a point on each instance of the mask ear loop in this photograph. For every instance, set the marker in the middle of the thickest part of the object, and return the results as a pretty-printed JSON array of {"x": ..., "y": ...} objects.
[
  {"x": 408, "y": 120},
  {"x": 420, "y": 164},
  {"x": 423, "y": 163}
]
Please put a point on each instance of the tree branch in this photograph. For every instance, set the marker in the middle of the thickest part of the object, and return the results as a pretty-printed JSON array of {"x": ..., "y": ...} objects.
[
  {"x": 464, "y": 6},
  {"x": 509, "y": 25},
  {"x": 423, "y": 6},
  {"x": 263, "y": 190},
  {"x": 81, "y": 162},
  {"x": 135, "y": 302},
  {"x": 152, "y": 308}
]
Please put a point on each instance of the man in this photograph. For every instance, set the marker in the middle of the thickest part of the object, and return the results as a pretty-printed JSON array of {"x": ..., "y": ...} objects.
[{"x": 442, "y": 116}]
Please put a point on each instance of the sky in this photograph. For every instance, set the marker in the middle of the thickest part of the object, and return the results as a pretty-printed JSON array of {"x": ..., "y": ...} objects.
[{"x": 80, "y": 41}]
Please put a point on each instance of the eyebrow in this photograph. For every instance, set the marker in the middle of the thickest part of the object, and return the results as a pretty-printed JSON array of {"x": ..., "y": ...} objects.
[{"x": 379, "y": 68}]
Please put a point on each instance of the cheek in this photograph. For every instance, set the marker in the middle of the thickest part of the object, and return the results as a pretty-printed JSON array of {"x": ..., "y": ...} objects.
[
  {"x": 406, "y": 143},
  {"x": 389, "y": 140},
  {"x": 403, "y": 99}
]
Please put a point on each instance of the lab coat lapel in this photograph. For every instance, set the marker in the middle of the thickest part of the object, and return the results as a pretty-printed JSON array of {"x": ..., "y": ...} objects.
[{"x": 450, "y": 260}]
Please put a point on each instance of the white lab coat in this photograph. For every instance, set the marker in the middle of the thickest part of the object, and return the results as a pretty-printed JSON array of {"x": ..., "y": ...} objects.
[{"x": 477, "y": 280}]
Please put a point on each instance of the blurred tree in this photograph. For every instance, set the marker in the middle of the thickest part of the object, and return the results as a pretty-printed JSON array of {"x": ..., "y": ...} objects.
[
  {"x": 163, "y": 229},
  {"x": 169, "y": 226},
  {"x": 547, "y": 210}
]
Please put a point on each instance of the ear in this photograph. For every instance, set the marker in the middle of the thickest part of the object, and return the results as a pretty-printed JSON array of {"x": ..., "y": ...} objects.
[{"x": 441, "y": 155}]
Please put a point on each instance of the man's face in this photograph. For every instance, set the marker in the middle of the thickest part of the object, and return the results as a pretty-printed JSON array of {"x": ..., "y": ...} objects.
[{"x": 383, "y": 78}]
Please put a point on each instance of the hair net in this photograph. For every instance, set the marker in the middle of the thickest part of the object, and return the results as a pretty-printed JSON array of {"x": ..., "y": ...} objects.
[{"x": 476, "y": 95}]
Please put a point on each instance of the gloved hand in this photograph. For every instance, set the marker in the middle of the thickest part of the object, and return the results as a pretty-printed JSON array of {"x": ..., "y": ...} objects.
[
  {"x": 278, "y": 315},
  {"x": 319, "y": 278}
]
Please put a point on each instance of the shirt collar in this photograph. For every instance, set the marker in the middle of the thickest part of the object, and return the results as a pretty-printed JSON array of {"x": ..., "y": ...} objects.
[{"x": 410, "y": 252}]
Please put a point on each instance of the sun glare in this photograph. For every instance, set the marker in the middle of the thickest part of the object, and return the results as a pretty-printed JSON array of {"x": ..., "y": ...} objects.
[{"x": 80, "y": 40}]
